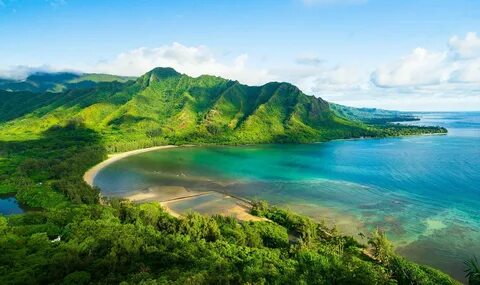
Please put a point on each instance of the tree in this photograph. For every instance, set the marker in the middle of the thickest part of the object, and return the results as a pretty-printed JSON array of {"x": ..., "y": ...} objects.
[
  {"x": 382, "y": 248},
  {"x": 473, "y": 271}
]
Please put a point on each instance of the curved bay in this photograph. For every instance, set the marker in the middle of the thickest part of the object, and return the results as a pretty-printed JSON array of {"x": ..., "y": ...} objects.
[{"x": 422, "y": 190}]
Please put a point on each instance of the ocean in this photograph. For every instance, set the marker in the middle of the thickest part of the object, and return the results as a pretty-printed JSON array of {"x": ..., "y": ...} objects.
[{"x": 424, "y": 191}]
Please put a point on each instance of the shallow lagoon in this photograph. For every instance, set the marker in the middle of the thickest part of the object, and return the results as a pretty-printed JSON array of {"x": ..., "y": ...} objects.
[{"x": 424, "y": 190}]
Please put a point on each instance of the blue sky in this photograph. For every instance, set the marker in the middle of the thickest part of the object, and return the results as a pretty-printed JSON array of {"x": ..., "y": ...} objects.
[{"x": 410, "y": 55}]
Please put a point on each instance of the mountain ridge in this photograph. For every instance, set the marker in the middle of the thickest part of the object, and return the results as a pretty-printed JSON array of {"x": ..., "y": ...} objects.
[
  {"x": 42, "y": 81},
  {"x": 164, "y": 106},
  {"x": 48, "y": 140}
]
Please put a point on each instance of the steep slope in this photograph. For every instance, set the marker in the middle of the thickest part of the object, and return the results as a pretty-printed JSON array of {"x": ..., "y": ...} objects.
[{"x": 164, "y": 106}]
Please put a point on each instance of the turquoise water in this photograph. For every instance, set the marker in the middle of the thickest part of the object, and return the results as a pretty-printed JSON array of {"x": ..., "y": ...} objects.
[{"x": 424, "y": 190}]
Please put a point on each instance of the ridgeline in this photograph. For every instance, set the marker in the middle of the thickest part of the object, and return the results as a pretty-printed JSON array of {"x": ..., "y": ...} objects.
[
  {"x": 166, "y": 107},
  {"x": 49, "y": 139}
]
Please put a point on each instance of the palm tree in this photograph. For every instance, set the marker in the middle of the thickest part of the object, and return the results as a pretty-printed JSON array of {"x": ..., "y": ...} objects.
[{"x": 473, "y": 271}]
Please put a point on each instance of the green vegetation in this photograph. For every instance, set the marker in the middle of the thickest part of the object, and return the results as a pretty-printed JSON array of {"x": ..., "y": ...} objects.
[
  {"x": 48, "y": 140},
  {"x": 166, "y": 107},
  {"x": 317, "y": 237},
  {"x": 58, "y": 82},
  {"x": 122, "y": 242},
  {"x": 473, "y": 271},
  {"x": 371, "y": 115},
  {"x": 40, "y": 171}
]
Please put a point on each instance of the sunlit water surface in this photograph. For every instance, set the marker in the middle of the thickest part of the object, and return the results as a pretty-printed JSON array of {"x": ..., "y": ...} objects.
[{"x": 423, "y": 190}]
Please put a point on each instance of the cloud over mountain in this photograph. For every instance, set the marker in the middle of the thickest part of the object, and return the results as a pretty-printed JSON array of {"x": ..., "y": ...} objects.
[
  {"x": 20, "y": 72},
  {"x": 192, "y": 60},
  {"x": 448, "y": 77}
]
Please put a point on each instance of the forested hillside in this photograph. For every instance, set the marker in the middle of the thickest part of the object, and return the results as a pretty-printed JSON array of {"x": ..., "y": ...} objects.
[
  {"x": 164, "y": 106},
  {"x": 70, "y": 235},
  {"x": 371, "y": 115}
]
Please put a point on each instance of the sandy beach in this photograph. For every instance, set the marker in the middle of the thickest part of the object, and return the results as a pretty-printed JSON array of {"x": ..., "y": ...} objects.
[
  {"x": 168, "y": 196},
  {"x": 171, "y": 197},
  {"x": 89, "y": 176}
]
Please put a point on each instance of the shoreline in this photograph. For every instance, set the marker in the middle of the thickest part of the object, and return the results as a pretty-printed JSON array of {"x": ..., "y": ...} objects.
[
  {"x": 239, "y": 211},
  {"x": 169, "y": 205},
  {"x": 89, "y": 176},
  {"x": 388, "y": 137}
]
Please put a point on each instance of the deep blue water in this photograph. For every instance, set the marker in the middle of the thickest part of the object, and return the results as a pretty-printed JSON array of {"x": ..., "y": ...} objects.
[
  {"x": 9, "y": 205},
  {"x": 423, "y": 190}
]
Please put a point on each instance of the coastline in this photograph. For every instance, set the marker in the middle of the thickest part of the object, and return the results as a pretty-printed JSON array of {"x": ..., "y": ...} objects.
[
  {"x": 388, "y": 137},
  {"x": 89, "y": 176},
  {"x": 239, "y": 211}
]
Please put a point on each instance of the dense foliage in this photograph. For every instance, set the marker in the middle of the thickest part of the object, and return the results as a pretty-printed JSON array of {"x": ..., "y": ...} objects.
[
  {"x": 72, "y": 236},
  {"x": 473, "y": 271},
  {"x": 121, "y": 242},
  {"x": 371, "y": 115},
  {"x": 40, "y": 170},
  {"x": 166, "y": 107}
]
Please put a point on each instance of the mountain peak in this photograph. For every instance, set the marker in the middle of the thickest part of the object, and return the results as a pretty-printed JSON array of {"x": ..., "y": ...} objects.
[
  {"x": 163, "y": 72},
  {"x": 157, "y": 74}
]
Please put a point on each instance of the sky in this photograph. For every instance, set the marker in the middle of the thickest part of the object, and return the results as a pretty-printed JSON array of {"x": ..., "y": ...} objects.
[{"x": 421, "y": 55}]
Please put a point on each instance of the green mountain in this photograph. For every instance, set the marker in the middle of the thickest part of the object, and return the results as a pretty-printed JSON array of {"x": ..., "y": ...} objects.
[
  {"x": 70, "y": 235},
  {"x": 371, "y": 115},
  {"x": 164, "y": 106},
  {"x": 58, "y": 82}
]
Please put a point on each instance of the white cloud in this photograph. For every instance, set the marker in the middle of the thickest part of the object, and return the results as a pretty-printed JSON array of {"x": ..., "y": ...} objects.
[
  {"x": 194, "y": 61},
  {"x": 315, "y": 76},
  {"x": 459, "y": 64},
  {"x": 421, "y": 67},
  {"x": 342, "y": 75},
  {"x": 465, "y": 48},
  {"x": 421, "y": 80},
  {"x": 309, "y": 60},
  {"x": 20, "y": 72},
  {"x": 334, "y": 79},
  {"x": 467, "y": 72}
]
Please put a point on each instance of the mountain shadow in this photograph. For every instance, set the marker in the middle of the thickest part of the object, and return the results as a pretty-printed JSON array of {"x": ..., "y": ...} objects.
[{"x": 45, "y": 170}]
